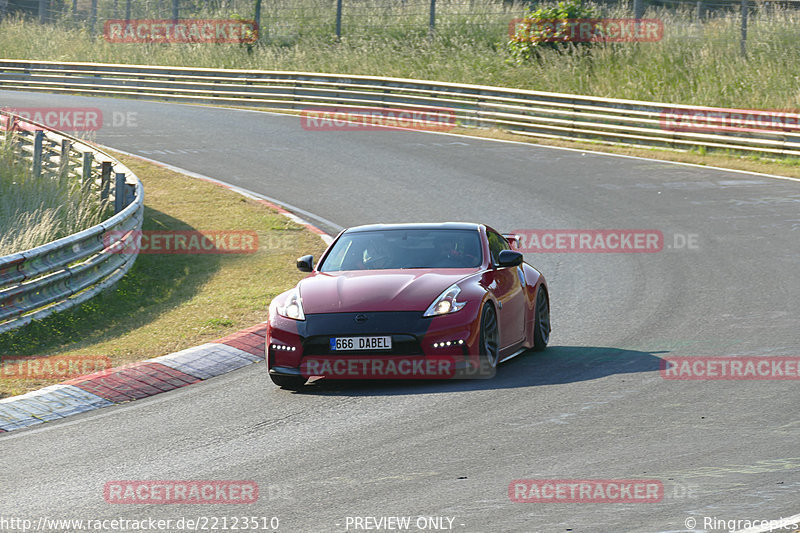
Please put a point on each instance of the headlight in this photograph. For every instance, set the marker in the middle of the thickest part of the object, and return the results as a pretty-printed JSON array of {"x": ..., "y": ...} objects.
[
  {"x": 446, "y": 303},
  {"x": 292, "y": 306}
]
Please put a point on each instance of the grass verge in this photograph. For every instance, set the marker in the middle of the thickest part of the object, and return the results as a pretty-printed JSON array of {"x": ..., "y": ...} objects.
[{"x": 169, "y": 302}]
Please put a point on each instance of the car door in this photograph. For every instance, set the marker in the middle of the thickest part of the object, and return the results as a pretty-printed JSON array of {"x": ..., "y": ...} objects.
[{"x": 508, "y": 287}]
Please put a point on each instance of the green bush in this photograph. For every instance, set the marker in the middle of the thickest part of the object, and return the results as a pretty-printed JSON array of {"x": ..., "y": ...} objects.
[{"x": 547, "y": 27}]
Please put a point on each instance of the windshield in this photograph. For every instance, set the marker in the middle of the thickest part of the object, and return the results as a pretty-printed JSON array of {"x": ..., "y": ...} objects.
[{"x": 407, "y": 248}]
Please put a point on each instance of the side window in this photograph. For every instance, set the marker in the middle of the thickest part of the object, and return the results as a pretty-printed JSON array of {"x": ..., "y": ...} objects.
[{"x": 496, "y": 244}]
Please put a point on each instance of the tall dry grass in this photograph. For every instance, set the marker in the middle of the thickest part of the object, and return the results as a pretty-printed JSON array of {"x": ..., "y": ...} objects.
[{"x": 35, "y": 210}]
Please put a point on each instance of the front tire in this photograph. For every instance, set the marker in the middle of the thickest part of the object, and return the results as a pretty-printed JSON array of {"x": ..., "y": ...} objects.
[
  {"x": 541, "y": 324},
  {"x": 288, "y": 382},
  {"x": 490, "y": 336}
]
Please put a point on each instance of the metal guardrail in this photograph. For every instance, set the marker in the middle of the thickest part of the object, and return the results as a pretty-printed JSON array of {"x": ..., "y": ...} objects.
[
  {"x": 531, "y": 113},
  {"x": 66, "y": 272}
]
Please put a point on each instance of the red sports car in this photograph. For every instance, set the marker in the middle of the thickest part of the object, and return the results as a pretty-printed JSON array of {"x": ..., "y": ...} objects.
[{"x": 406, "y": 301}]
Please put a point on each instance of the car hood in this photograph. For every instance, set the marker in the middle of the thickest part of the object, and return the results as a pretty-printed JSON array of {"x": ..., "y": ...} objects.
[{"x": 371, "y": 290}]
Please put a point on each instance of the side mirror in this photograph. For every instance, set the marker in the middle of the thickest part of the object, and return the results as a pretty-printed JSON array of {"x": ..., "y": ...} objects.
[
  {"x": 305, "y": 263},
  {"x": 509, "y": 258}
]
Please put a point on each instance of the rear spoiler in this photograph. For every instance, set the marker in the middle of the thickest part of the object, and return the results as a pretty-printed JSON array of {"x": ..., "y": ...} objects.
[{"x": 513, "y": 239}]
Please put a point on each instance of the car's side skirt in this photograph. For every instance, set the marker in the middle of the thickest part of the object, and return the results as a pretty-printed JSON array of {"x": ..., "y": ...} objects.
[{"x": 513, "y": 355}]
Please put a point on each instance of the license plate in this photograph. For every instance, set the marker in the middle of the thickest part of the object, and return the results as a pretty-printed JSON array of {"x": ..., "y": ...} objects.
[{"x": 343, "y": 344}]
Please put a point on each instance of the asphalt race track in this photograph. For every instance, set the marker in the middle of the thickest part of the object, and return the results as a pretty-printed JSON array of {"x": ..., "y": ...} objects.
[{"x": 593, "y": 406}]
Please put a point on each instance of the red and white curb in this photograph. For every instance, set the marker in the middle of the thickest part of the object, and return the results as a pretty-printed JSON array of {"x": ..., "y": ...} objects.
[{"x": 134, "y": 381}]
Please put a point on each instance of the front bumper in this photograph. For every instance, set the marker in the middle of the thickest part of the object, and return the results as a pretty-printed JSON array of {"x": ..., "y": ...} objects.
[{"x": 301, "y": 348}]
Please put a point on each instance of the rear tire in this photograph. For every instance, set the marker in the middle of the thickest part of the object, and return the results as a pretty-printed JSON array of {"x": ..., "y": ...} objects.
[
  {"x": 288, "y": 382},
  {"x": 541, "y": 324}
]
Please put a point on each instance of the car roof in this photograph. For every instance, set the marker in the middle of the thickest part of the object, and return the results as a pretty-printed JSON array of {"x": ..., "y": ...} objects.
[{"x": 428, "y": 226}]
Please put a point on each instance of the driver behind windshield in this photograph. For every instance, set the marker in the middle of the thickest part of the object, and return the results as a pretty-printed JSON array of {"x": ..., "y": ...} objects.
[
  {"x": 453, "y": 252},
  {"x": 376, "y": 254}
]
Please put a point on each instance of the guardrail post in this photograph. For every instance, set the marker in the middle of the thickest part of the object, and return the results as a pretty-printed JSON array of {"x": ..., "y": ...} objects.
[
  {"x": 105, "y": 180},
  {"x": 66, "y": 145},
  {"x": 127, "y": 9},
  {"x": 130, "y": 193},
  {"x": 744, "y": 27},
  {"x": 432, "y": 20},
  {"x": 119, "y": 192},
  {"x": 257, "y": 18},
  {"x": 175, "y": 10},
  {"x": 701, "y": 10},
  {"x": 42, "y": 11},
  {"x": 338, "y": 18},
  {"x": 638, "y": 9},
  {"x": 92, "y": 17},
  {"x": 87, "y": 169},
  {"x": 38, "y": 138}
]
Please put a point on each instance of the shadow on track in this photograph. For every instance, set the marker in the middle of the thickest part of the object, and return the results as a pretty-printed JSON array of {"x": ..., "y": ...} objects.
[{"x": 557, "y": 364}]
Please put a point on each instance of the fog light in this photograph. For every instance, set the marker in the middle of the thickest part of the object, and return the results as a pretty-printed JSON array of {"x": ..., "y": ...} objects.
[
  {"x": 283, "y": 347},
  {"x": 442, "y": 344}
]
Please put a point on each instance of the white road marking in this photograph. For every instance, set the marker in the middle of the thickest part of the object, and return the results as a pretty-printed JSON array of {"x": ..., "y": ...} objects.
[
  {"x": 585, "y": 151},
  {"x": 244, "y": 192}
]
